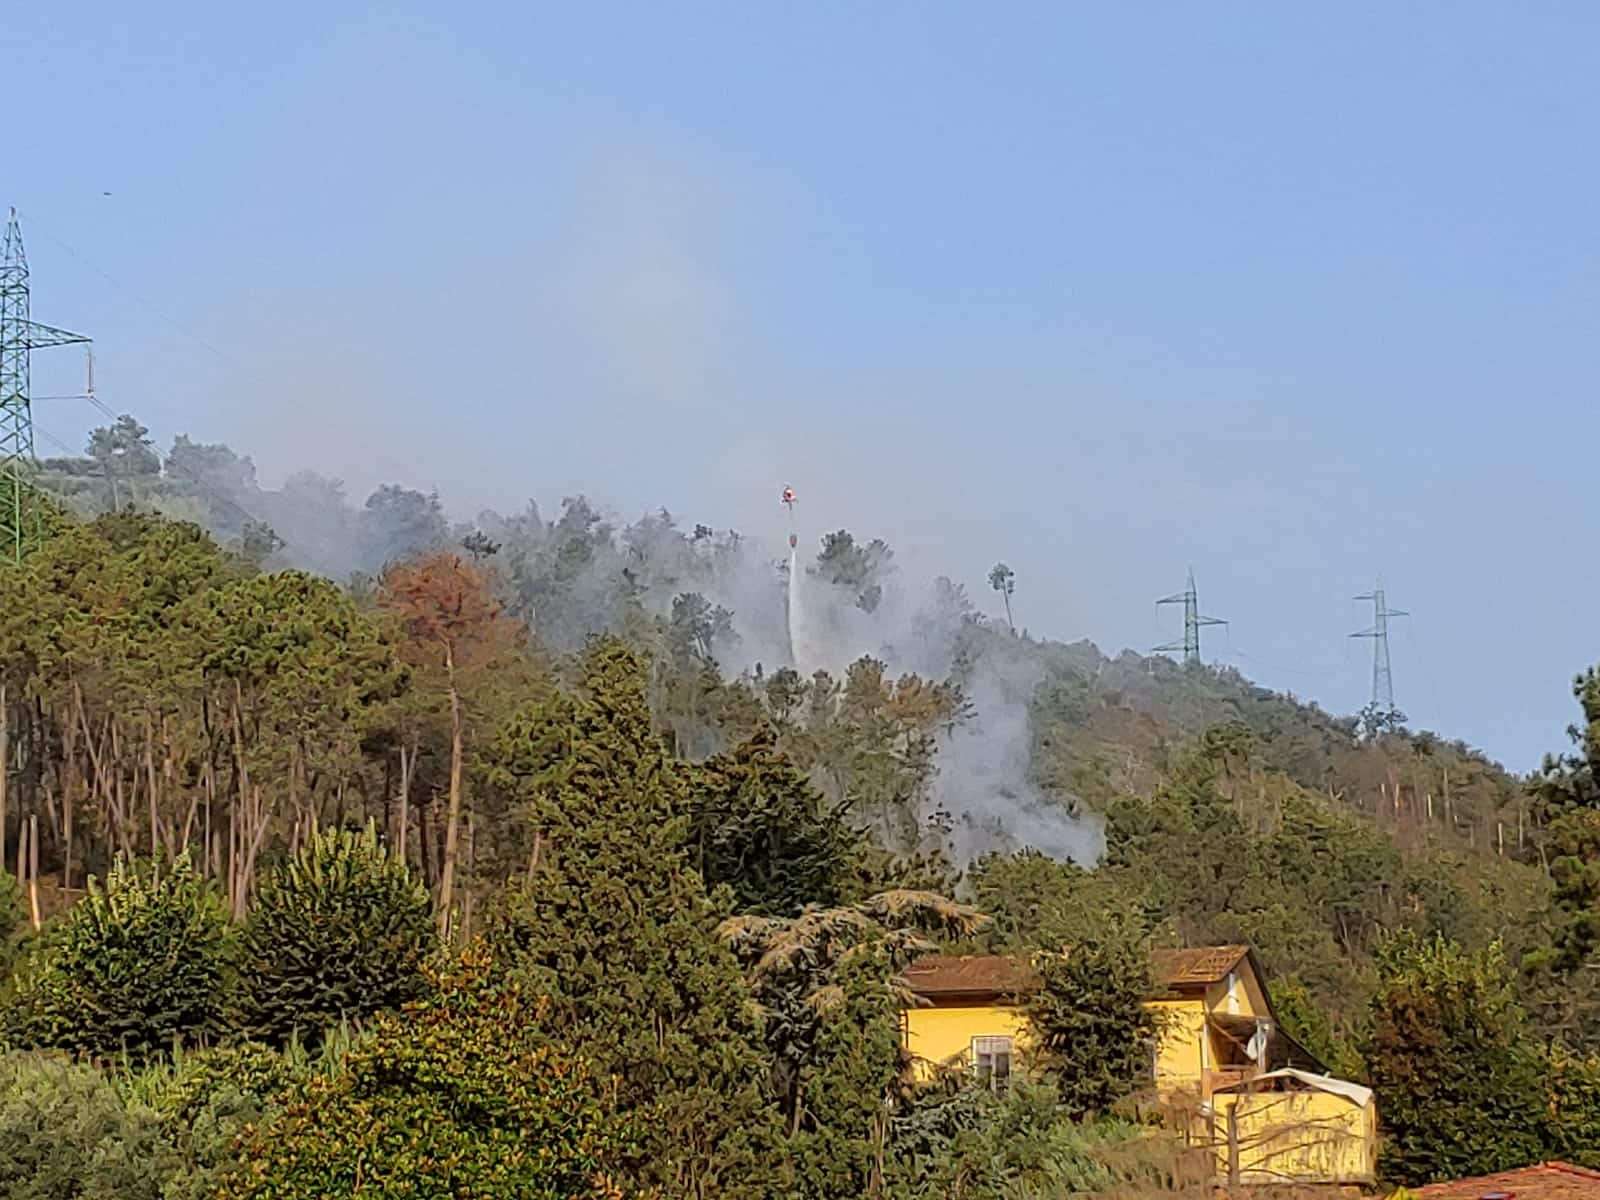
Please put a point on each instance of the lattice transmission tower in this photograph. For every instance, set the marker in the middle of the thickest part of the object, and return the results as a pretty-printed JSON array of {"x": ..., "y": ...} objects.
[
  {"x": 1382, "y": 676},
  {"x": 21, "y": 523},
  {"x": 1192, "y": 622}
]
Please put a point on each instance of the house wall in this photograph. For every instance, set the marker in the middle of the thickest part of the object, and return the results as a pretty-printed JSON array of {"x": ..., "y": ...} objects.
[
  {"x": 1182, "y": 1053},
  {"x": 1300, "y": 1136},
  {"x": 940, "y": 1033},
  {"x": 1241, "y": 994},
  {"x": 944, "y": 1032},
  {"x": 1307, "y": 1137}
]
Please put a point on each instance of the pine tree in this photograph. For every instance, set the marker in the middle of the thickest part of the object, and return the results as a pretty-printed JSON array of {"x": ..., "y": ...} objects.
[
  {"x": 760, "y": 828},
  {"x": 338, "y": 932},
  {"x": 615, "y": 927},
  {"x": 144, "y": 962}
]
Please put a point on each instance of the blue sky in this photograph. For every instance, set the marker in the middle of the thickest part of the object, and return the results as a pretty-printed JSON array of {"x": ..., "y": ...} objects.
[{"x": 1297, "y": 294}]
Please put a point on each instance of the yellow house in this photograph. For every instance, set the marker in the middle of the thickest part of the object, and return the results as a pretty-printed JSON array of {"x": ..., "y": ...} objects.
[{"x": 1232, "y": 1078}]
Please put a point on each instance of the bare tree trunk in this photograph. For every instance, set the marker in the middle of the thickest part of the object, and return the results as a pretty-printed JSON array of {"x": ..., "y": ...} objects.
[
  {"x": 388, "y": 800},
  {"x": 408, "y": 765},
  {"x": 471, "y": 876},
  {"x": 5, "y": 763},
  {"x": 33, "y": 872},
  {"x": 22, "y": 856},
  {"x": 241, "y": 828},
  {"x": 150, "y": 783},
  {"x": 208, "y": 780},
  {"x": 427, "y": 844},
  {"x": 452, "y": 821},
  {"x": 258, "y": 822}
]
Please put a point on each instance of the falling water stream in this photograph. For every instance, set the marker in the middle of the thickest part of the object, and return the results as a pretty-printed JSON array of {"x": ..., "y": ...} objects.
[{"x": 796, "y": 645}]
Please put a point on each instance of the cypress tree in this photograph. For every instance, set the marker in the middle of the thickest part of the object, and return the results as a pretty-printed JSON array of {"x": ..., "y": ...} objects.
[{"x": 614, "y": 926}]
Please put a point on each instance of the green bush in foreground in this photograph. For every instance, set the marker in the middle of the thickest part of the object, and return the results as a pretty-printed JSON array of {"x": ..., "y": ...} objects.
[
  {"x": 66, "y": 1132},
  {"x": 338, "y": 932},
  {"x": 142, "y": 963},
  {"x": 457, "y": 1096}
]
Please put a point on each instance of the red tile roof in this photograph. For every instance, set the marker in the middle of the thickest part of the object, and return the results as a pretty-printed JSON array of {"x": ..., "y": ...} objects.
[
  {"x": 970, "y": 975},
  {"x": 1202, "y": 964},
  {"x": 1544, "y": 1181},
  {"x": 1004, "y": 975}
]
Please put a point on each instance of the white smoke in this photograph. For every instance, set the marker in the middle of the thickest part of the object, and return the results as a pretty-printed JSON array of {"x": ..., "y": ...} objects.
[
  {"x": 983, "y": 782},
  {"x": 983, "y": 779}
]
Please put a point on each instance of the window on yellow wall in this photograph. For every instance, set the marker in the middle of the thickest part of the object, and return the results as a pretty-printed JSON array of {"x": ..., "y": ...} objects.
[{"x": 991, "y": 1060}]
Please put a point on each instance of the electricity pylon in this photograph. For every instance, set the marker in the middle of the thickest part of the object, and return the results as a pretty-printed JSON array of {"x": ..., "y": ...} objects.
[
  {"x": 21, "y": 525},
  {"x": 1192, "y": 621},
  {"x": 1382, "y": 678}
]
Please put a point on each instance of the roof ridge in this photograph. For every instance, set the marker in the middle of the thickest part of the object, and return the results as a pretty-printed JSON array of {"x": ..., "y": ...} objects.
[
  {"x": 1556, "y": 1164},
  {"x": 1513, "y": 1176}
]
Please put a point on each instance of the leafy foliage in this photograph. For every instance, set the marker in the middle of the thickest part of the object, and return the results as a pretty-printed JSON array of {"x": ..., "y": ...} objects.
[
  {"x": 144, "y": 962},
  {"x": 1574, "y": 1107},
  {"x": 1033, "y": 900},
  {"x": 65, "y": 1131},
  {"x": 1567, "y": 795},
  {"x": 1018, "y": 1145},
  {"x": 160, "y": 693},
  {"x": 180, "y": 1090},
  {"x": 1303, "y": 1019},
  {"x": 459, "y": 1096},
  {"x": 1093, "y": 1034},
  {"x": 205, "y": 1100},
  {"x": 1459, "y": 1089},
  {"x": 11, "y": 918},
  {"x": 828, "y": 985},
  {"x": 339, "y": 932},
  {"x": 837, "y": 1138}
]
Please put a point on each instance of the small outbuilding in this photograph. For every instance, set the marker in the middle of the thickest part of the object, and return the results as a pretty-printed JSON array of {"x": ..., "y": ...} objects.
[{"x": 1291, "y": 1125}]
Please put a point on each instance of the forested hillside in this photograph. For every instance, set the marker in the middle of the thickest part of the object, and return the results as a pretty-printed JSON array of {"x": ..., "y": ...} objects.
[{"x": 600, "y": 779}]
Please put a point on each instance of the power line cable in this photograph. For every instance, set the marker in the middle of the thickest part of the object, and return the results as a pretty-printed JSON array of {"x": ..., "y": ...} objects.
[
  {"x": 33, "y": 222},
  {"x": 167, "y": 464}
]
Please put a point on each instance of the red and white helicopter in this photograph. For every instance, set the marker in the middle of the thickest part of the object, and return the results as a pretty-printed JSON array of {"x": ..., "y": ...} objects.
[{"x": 789, "y": 499}]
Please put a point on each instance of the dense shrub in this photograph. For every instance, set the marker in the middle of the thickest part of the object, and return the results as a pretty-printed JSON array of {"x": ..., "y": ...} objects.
[
  {"x": 1460, "y": 1090},
  {"x": 1094, "y": 1035},
  {"x": 142, "y": 963},
  {"x": 457, "y": 1096},
  {"x": 180, "y": 1089},
  {"x": 1574, "y": 1107},
  {"x": 11, "y": 918},
  {"x": 338, "y": 932},
  {"x": 65, "y": 1132},
  {"x": 1021, "y": 1145},
  {"x": 205, "y": 1100}
]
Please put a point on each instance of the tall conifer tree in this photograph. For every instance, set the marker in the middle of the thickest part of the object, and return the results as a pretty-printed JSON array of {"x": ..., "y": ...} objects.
[{"x": 615, "y": 927}]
